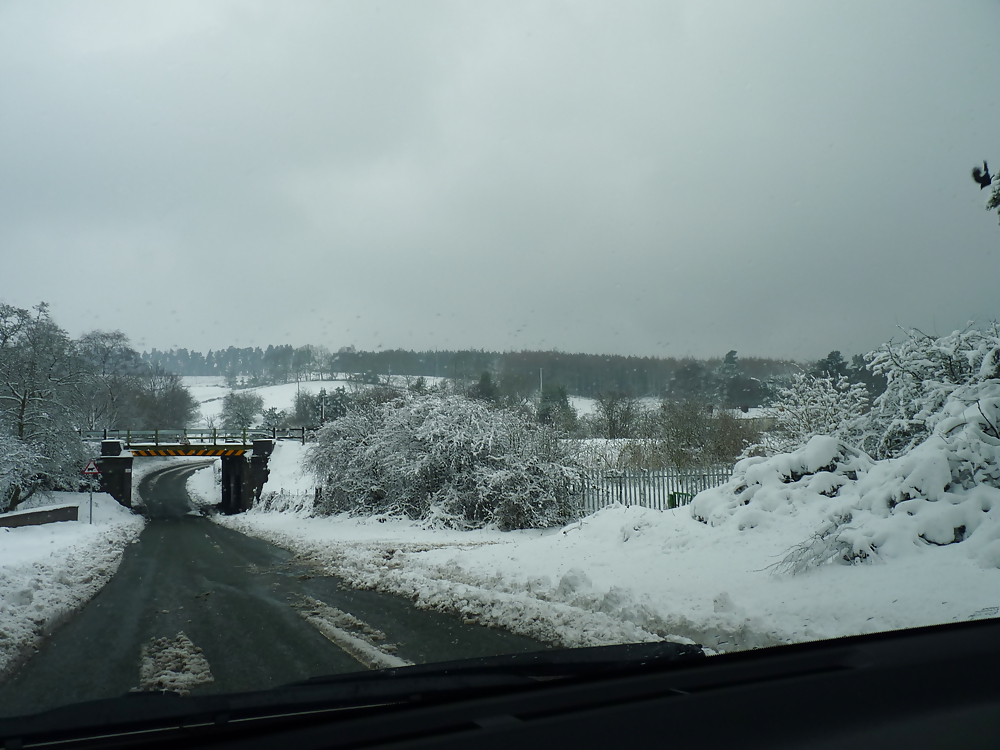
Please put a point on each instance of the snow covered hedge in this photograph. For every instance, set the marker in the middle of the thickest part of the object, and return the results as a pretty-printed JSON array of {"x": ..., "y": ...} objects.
[
  {"x": 448, "y": 459},
  {"x": 935, "y": 431}
]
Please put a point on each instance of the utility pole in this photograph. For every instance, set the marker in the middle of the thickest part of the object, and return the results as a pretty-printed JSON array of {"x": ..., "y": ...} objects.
[{"x": 541, "y": 383}]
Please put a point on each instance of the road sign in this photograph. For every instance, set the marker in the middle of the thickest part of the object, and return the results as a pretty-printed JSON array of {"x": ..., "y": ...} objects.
[{"x": 91, "y": 470}]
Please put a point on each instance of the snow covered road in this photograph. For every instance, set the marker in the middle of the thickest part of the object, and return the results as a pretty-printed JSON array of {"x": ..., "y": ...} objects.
[{"x": 205, "y": 609}]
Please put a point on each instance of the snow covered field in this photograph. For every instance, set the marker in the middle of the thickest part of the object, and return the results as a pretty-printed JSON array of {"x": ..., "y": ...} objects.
[
  {"x": 634, "y": 574},
  {"x": 48, "y": 571},
  {"x": 210, "y": 390}
]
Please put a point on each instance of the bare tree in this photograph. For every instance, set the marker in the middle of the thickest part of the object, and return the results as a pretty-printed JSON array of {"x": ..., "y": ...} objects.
[
  {"x": 618, "y": 414},
  {"x": 115, "y": 375}
]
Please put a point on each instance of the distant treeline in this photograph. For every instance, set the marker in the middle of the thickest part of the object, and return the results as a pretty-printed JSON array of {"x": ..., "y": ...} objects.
[{"x": 731, "y": 379}]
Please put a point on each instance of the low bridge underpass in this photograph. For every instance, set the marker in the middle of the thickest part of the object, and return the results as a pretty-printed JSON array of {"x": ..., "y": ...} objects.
[{"x": 244, "y": 460}]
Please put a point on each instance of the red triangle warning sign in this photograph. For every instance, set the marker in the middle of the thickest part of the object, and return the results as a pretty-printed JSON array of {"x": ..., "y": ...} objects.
[{"x": 91, "y": 470}]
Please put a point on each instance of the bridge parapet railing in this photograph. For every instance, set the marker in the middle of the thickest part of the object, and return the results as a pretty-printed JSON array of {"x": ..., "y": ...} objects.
[{"x": 195, "y": 436}]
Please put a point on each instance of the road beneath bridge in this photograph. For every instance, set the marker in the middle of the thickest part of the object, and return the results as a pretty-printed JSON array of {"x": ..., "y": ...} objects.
[{"x": 259, "y": 617}]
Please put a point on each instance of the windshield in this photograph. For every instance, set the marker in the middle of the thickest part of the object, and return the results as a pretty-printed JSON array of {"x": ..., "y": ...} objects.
[{"x": 345, "y": 337}]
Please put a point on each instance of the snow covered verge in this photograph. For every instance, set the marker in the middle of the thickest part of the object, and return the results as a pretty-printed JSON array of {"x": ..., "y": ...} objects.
[
  {"x": 634, "y": 574},
  {"x": 751, "y": 563},
  {"x": 48, "y": 571}
]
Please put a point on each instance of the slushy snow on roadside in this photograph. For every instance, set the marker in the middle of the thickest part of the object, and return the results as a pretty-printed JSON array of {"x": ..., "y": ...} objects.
[{"x": 49, "y": 571}]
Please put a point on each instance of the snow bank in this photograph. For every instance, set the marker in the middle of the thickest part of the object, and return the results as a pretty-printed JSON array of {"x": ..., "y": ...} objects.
[
  {"x": 48, "y": 571},
  {"x": 401, "y": 557},
  {"x": 633, "y": 574},
  {"x": 288, "y": 487},
  {"x": 285, "y": 469},
  {"x": 741, "y": 568},
  {"x": 204, "y": 486}
]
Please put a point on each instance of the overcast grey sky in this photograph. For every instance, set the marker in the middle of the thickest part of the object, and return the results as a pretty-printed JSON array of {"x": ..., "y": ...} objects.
[{"x": 653, "y": 178}]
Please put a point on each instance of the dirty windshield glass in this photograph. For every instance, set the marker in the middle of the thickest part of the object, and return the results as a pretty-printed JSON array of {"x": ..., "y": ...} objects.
[{"x": 337, "y": 337}]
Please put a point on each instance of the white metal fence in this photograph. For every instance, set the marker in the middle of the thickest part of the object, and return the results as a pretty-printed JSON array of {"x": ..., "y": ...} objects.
[{"x": 660, "y": 488}]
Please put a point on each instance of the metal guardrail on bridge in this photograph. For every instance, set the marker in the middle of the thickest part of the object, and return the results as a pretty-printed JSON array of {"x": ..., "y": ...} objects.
[{"x": 196, "y": 436}]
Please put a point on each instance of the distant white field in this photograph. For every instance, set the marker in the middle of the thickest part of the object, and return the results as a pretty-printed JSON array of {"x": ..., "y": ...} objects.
[{"x": 210, "y": 390}]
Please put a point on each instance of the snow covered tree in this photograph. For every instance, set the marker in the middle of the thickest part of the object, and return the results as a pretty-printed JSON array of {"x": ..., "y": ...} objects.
[
  {"x": 993, "y": 203},
  {"x": 20, "y": 465},
  {"x": 935, "y": 477},
  {"x": 240, "y": 410},
  {"x": 447, "y": 459},
  {"x": 555, "y": 410},
  {"x": 40, "y": 376},
  {"x": 305, "y": 410},
  {"x": 813, "y": 406},
  {"x": 922, "y": 373},
  {"x": 273, "y": 418}
]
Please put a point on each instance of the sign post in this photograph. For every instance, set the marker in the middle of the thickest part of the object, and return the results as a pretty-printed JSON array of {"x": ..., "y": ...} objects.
[{"x": 90, "y": 471}]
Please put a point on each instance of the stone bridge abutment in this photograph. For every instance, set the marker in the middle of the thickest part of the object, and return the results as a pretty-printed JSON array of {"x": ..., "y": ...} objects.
[{"x": 244, "y": 468}]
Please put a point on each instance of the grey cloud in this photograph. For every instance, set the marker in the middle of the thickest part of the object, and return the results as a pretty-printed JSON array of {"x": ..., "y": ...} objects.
[{"x": 649, "y": 178}]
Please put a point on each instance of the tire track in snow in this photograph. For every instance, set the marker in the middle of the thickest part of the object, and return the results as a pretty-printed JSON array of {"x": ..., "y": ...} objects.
[{"x": 354, "y": 636}]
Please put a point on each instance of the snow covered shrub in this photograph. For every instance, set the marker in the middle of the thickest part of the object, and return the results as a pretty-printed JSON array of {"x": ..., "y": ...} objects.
[
  {"x": 923, "y": 373},
  {"x": 862, "y": 510},
  {"x": 935, "y": 431},
  {"x": 813, "y": 406},
  {"x": 449, "y": 459},
  {"x": 781, "y": 484}
]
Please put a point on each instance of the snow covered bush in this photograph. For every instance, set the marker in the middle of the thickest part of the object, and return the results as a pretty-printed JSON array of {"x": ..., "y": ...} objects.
[
  {"x": 812, "y": 406},
  {"x": 934, "y": 481},
  {"x": 923, "y": 374},
  {"x": 448, "y": 459},
  {"x": 863, "y": 510}
]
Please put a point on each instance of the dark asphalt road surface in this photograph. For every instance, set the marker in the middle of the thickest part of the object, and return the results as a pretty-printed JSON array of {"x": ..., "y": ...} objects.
[{"x": 233, "y": 596}]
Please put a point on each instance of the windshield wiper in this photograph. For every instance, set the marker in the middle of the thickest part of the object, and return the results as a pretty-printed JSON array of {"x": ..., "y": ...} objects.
[{"x": 533, "y": 666}]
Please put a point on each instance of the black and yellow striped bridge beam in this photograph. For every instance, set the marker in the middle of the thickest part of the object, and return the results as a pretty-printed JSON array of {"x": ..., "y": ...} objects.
[{"x": 190, "y": 450}]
